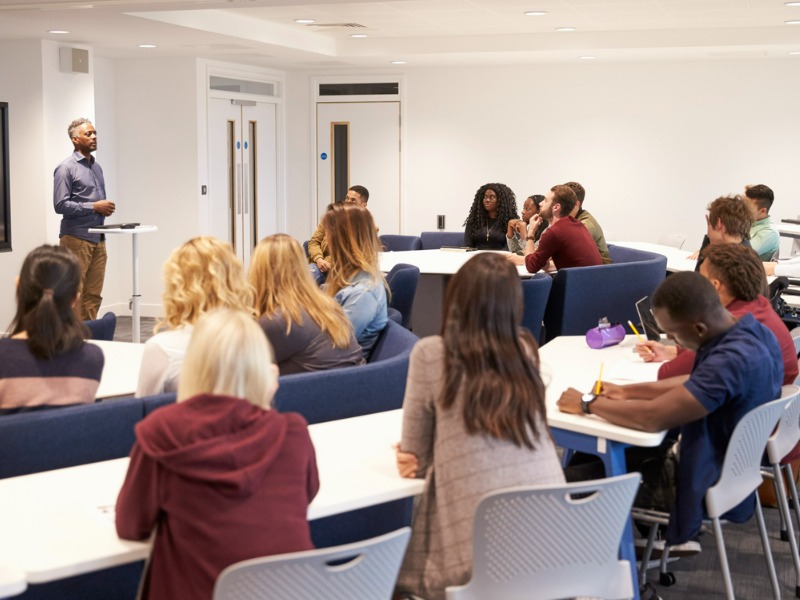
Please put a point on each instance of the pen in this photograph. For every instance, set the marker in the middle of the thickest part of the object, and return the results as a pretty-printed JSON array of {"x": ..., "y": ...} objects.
[
  {"x": 599, "y": 377},
  {"x": 639, "y": 337}
]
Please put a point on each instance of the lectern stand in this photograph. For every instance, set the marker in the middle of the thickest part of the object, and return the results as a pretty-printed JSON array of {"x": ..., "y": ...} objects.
[{"x": 135, "y": 299}]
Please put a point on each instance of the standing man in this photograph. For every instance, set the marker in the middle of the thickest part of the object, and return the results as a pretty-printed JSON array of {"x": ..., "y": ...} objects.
[
  {"x": 319, "y": 257},
  {"x": 79, "y": 194},
  {"x": 764, "y": 235}
]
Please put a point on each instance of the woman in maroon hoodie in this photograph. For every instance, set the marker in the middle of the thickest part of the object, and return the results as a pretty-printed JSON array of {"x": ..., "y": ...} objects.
[{"x": 221, "y": 476}]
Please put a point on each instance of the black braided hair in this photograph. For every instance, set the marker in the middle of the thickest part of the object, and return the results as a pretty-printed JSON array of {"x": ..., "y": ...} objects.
[{"x": 506, "y": 207}]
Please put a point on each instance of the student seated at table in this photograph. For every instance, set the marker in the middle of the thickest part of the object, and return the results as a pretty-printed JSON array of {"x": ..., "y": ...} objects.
[
  {"x": 45, "y": 361},
  {"x": 737, "y": 274},
  {"x": 728, "y": 221},
  {"x": 518, "y": 228},
  {"x": 584, "y": 216},
  {"x": 219, "y": 475},
  {"x": 202, "y": 274},
  {"x": 738, "y": 368},
  {"x": 493, "y": 207},
  {"x": 764, "y": 234},
  {"x": 308, "y": 330},
  {"x": 566, "y": 243},
  {"x": 473, "y": 421},
  {"x": 355, "y": 280}
]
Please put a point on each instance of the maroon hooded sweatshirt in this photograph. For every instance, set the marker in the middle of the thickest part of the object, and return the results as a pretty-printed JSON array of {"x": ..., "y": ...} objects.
[{"x": 224, "y": 481}]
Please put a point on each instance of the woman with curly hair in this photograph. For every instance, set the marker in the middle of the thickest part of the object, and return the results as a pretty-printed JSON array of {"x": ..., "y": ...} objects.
[
  {"x": 493, "y": 207},
  {"x": 202, "y": 274},
  {"x": 355, "y": 281},
  {"x": 307, "y": 329}
]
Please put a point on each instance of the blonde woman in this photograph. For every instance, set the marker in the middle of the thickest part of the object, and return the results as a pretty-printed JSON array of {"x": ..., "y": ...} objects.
[
  {"x": 308, "y": 330},
  {"x": 223, "y": 477},
  {"x": 355, "y": 280},
  {"x": 202, "y": 274}
]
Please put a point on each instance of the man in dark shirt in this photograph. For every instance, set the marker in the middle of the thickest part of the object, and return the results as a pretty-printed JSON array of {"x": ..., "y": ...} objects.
[
  {"x": 567, "y": 242},
  {"x": 79, "y": 194}
]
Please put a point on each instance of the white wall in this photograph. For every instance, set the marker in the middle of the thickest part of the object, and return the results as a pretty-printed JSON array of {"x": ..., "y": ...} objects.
[{"x": 653, "y": 143}]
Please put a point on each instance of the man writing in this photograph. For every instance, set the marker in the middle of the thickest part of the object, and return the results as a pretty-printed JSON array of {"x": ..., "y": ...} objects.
[
  {"x": 738, "y": 367},
  {"x": 79, "y": 194},
  {"x": 567, "y": 242}
]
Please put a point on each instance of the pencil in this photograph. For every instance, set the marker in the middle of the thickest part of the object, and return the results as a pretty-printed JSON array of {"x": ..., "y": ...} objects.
[
  {"x": 639, "y": 337},
  {"x": 599, "y": 377}
]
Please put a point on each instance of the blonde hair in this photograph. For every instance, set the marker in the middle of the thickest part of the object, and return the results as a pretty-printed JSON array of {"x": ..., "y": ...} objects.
[
  {"x": 202, "y": 274},
  {"x": 229, "y": 355},
  {"x": 281, "y": 279},
  {"x": 354, "y": 246}
]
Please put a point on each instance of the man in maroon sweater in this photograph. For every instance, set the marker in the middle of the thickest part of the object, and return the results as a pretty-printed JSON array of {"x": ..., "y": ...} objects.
[
  {"x": 738, "y": 276},
  {"x": 566, "y": 241}
]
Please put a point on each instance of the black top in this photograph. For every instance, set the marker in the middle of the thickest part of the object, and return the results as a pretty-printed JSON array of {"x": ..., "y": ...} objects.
[{"x": 490, "y": 236}]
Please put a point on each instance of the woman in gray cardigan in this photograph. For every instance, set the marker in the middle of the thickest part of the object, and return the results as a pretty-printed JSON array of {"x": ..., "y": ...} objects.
[{"x": 473, "y": 421}]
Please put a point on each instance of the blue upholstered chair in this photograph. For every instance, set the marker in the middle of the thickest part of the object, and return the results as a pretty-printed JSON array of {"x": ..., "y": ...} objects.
[
  {"x": 305, "y": 247},
  {"x": 103, "y": 328},
  {"x": 433, "y": 240},
  {"x": 152, "y": 403},
  {"x": 535, "y": 292},
  {"x": 403, "y": 280},
  {"x": 352, "y": 391},
  {"x": 582, "y": 295},
  {"x": 400, "y": 243}
]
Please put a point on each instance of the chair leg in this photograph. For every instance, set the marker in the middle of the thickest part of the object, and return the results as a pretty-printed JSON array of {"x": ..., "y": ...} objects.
[
  {"x": 775, "y": 487},
  {"x": 786, "y": 517},
  {"x": 648, "y": 551},
  {"x": 723, "y": 559},
  {"x": 787, "y": 468},
  {"x": 762, "y": 530}
]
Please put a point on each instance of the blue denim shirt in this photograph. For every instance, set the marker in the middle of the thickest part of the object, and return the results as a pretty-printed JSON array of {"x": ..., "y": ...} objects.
[
  {"x": 364, "y": 303},
  {"x": 77, "y": 184}
]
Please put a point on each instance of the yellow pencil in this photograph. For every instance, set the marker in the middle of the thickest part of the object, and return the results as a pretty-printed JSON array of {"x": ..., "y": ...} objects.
[
  {"x": 599, "y": 377},
  {"x": 639, "y": 337}
]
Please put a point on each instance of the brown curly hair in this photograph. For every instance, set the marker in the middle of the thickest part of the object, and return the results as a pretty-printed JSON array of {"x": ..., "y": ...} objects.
[{"x": 738, "y": 268}]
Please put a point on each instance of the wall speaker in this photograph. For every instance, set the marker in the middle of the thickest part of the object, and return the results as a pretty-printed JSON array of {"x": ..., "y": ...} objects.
[{"x": 73, "y": 60}]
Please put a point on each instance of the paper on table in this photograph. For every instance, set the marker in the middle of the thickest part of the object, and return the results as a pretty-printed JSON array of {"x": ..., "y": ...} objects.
[{"x": 632, "y": 368}]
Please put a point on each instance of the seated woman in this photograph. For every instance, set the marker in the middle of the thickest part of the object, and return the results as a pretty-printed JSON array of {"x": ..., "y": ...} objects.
[
  {"x": 473, "y": 421},
  {"x": 202, "y": 274},
  {"x": 218, "y": 475},
  {"x": 518, "y": 228},
  {"x": 45, "y": 361},
  {"x": 355, "y": 280},
  {"x": 308, "y": 330},
  {"x": 492, "y": 208}
]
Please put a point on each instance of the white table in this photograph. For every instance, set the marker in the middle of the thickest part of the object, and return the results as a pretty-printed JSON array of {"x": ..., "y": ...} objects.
[
  {"x": 789, "y": 230},
  {"x": 435, "y": 268},
  {"x": 12, "y": 582},
  {"x": 121, "y": 368},
  {"x": 136, "y": 297},
  {"x": 677, "y": 259}
]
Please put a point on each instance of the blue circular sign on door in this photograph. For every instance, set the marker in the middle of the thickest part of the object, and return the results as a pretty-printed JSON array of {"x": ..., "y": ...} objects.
[
  {"x": 245, "y": 145},
  {"x": 324, "y": 155},
  {"x": 237, "y": 145}
]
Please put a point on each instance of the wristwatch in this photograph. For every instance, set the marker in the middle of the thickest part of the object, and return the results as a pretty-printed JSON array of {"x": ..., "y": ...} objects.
[{"x": 586, "y": 402}]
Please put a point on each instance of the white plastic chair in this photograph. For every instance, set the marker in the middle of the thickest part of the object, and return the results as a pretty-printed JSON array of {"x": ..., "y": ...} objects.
[
  {"x": 542, "y": 543},
  {"x": 741, "y": 476},
  {"x": 675, "y": 240},
  {"x": 361, "y": 571},
  {"x": 796, "y": 337}
]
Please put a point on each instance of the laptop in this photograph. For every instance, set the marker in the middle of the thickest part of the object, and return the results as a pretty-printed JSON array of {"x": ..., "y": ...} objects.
[{"x": 648, "y": 321}]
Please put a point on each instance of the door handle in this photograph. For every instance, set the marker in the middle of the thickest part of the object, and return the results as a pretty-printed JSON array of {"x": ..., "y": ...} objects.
[
  {"x": 246, "y": 188},
  {"x": 238, "y": 188}
]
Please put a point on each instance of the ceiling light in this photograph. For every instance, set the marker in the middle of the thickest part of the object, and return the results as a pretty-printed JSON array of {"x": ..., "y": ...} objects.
[
  {"x": 358, "y": 35},
  {"x": 304, "y": 21},
  {"x": 398, "y": 62},
  {"x": 792, "y": 3},
  {"x": 147, "y": 46},
  {"x": 795, "y": 22},
  {"x": 535, "y": 13},
  {"x": 794, "y": 52},
  {"x": 565, "y": 29},
  {"x": 57, "y": 31},
  {"x": 588, "y": 57}
]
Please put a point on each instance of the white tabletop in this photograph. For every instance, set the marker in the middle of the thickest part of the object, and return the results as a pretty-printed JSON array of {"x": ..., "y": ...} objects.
[
  {"x": 12, "y": 582},
  {"x": 789, "y": 230},
  {"x": 131, "y": 231},
  {"x": 435, "y": 262},
  {"x": 676, "y": 258},
  {"x": 121, "y": 369}
]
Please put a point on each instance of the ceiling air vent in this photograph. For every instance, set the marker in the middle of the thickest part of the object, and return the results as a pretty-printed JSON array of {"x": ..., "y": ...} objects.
[{"x": 337, "y": 25}]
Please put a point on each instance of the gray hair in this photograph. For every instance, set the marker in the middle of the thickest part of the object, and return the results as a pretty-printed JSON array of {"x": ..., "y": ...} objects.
[{"x": 73, "y": 127}]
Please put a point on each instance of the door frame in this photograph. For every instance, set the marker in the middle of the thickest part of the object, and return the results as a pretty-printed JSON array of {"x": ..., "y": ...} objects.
[{"x": 315, "y": 99}]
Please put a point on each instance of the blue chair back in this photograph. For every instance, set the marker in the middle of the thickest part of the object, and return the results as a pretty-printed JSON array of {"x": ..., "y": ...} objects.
[
  {"x": 433, "y": 240},
  {"x": 400, "y": 243},
  {"x": 403, "y": 280},
  {"x": 622, "y": 254},
  {"x": 305, "y": 247},
  {"x": 152, "y": 403},
  {"x": 103, "y": 328},
  {"x": 582, "y": 295},
  {"x": 535, "y": 292},
  {"x": 352, "y": 391}
]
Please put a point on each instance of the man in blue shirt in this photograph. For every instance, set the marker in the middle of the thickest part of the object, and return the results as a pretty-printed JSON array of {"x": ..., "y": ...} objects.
[
  {"x": 79, "y": 194},
  {"x": 738, "y": 367}
]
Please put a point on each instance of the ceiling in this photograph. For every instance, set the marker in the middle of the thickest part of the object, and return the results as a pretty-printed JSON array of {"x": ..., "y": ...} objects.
[{"x": 418, "y": 32}]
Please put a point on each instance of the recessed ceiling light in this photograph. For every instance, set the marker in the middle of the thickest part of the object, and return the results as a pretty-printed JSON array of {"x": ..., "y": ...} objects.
[
  {"x": 588, "y": 57},
  {"x": 795, "y": 22},
  {"x": 792, "y": 3},
  {"x": 57, "y": 31},
  {"x": 358, "y": 35},
  {"x": 147, "y": 46},
  {"x": 304, "y": 21},
  {"x": 535, "y": 13},
  {"x": 398, "y": 62},
  {"x": 794, "y": 52},
  {"x": 565, "y": 29}
]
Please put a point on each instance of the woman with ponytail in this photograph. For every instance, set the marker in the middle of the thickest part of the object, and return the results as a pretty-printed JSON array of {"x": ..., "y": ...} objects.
[{"x": 45, "y": 361}]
